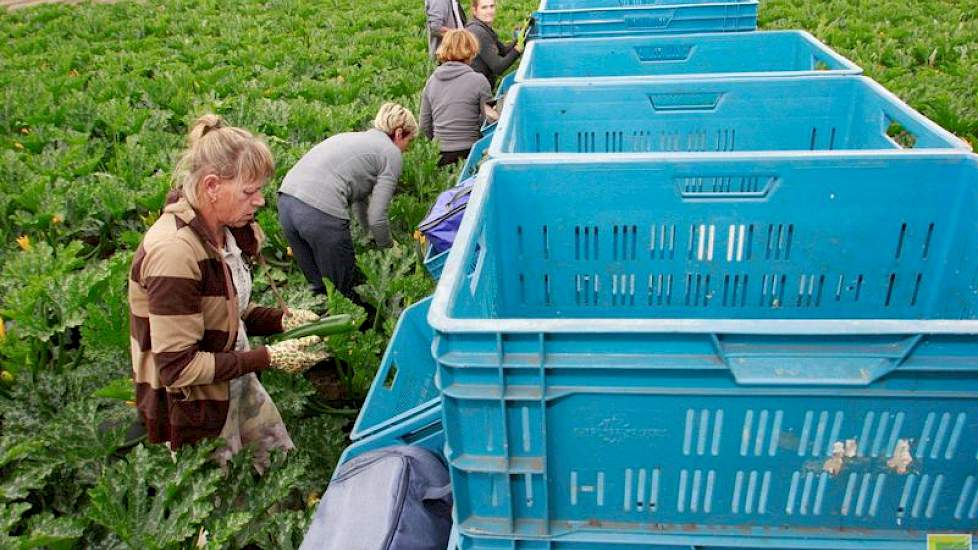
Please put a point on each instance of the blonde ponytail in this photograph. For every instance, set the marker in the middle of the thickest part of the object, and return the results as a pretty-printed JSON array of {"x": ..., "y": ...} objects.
[{"x": 213, "y": 147}]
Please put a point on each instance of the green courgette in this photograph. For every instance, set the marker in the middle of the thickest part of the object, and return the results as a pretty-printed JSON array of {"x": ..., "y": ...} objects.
[{"x": 327, "y": 326}]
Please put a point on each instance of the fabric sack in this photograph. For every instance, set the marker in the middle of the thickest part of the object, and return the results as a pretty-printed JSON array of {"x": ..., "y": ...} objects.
[
  {"x": 441, "y": 224},
  {"x": 395, "y": 498}
]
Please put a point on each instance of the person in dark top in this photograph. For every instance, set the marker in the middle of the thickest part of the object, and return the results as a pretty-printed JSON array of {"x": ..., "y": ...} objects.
[{"x": 494, "y": 57}]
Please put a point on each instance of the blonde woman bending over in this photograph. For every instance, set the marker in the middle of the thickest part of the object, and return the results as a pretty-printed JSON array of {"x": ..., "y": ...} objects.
[{"x": 355, "y": 171}]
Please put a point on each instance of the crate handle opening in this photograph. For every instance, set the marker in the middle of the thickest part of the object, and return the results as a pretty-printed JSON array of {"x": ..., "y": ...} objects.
[
  {"x": 811, "y": 360},
  {"x": 898, "y": 134},
  {"x": 388, "y": 373},
  {"x": 664, "y": 52},
  {"x": 819, "y": 63},
  {"x": 695, "y": 101},
  {"x": 422, "y": 433},
  {"x": 660, "y": 20},
  {"x": 473, "y": 270}
]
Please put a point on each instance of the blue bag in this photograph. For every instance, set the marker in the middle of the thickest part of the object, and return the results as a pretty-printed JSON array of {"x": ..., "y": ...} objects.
[{"x": 441, "y": 224}]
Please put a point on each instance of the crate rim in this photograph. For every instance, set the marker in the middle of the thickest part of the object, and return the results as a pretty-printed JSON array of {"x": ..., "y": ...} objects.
[
  {"x": 849, "y": 67},
  {"x": 512, "y": 96},
  {"x": 677, "y": 5},
  {"x": 450, "y": 281}
]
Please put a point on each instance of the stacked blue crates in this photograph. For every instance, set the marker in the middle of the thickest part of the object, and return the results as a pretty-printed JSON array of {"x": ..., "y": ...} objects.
[
  {"x": 710, "y": 293},
  {"x": 654, "y": 26},
  {"x": 771, "y": 349},
  {"x": 780, "y": 54},
  {"x": 579, "y": 18}
]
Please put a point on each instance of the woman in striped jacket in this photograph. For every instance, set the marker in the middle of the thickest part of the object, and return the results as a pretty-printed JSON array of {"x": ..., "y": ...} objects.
[{"x": 190, "y": 310}]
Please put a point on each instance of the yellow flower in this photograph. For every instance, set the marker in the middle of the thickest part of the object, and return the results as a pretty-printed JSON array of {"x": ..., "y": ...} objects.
[
  {"x": 3, "y": 329},
  {"x": 288, "y": 251},
  {"x": 419, "y": 236},
  {"x": 18, "y": 145},
  {"x": 24, "y": 242},
  {"x": 56, "y": 220}
]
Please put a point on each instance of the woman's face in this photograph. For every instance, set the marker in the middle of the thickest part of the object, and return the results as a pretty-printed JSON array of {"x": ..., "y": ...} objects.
[
  {"x": 237, "y": 201},
  {"x": 485, "y": 11}
]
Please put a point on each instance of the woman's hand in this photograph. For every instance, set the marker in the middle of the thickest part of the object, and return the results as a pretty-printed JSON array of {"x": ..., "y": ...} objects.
[
  {"x": 491, "y": 114},
  {"x": 294, "y": 356},
  {"x": 296, "y": 318}
]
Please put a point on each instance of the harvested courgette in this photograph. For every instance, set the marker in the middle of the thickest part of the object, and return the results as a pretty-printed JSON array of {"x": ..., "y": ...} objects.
[{"x": 327, "y": 326}]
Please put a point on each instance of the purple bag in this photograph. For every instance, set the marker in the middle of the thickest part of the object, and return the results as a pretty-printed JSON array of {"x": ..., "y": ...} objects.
[{"x": 441, "y": 223}]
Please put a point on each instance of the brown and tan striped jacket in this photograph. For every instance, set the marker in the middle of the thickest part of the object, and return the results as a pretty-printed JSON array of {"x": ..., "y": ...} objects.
[{"x": 183, "y": 324}]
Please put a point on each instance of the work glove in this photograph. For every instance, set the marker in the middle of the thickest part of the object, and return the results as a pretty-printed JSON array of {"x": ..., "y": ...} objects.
[
  {"x": 296, "y": 318},
  {"x": 294, "y": 356},
  {"x": 522, "y": 34}
]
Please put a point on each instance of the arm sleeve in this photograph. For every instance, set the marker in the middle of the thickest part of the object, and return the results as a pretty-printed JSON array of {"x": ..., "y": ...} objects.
[
  {"x": 491, "y": 53},
  {"x": 360, "y": 213},
  {"x": 439, "y": 14},
  {"x": 262, "y": 321},
  {"x": 380, "y": 198},
  {"x": 485, "y": 94},
  {"x": 427, "y": 123},
  {"x": 172, "y": 280}
]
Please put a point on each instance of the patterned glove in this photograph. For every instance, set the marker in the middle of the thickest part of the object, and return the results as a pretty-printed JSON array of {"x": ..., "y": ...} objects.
[
  {"x": 293, "y": 356},
  {"x": 297, "y": 318}
]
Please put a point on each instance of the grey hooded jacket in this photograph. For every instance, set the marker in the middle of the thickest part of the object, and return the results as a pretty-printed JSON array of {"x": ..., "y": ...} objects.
[{"x": 451, "y": 105}]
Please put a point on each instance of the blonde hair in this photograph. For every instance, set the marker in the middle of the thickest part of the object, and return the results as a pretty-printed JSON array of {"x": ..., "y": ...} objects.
[
  {"x": 458, "y": 45},
  {"x": 392, "y": 117},
  {"x": 216, "y": 148}
]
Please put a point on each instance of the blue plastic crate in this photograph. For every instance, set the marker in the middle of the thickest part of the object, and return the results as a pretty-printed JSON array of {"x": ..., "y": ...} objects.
[
  {"x": 435, "y": 262},
  {"x": 424, "y": 429},
  {"x": 717, "y": 55},
  {"x": 664, "y": 542},
  {"x": 404, "y": 383},
  {"x": 573, "y": 18},
  {"x": 479, "y": 150},
  {"x": 508, "y": 80},
  {"x": 683, "y": 349},
  {"x": 709, "y": 115}
]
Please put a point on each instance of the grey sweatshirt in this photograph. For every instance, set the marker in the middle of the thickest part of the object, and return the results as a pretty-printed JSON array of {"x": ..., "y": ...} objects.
[
  {"x": 451, "y": 105},
  {"x": 355, "y": 170}
]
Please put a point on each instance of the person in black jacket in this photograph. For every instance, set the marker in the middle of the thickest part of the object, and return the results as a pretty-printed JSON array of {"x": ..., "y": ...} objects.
[{"x": 494, "y": 57}]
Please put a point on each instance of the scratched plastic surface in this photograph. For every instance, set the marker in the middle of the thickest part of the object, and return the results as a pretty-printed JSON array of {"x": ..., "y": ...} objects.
[
  {"x": 772, "y": 350},
  {"x": 571, "y": 18}
]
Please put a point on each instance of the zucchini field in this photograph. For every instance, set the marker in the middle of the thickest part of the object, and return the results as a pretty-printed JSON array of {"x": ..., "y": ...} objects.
[{"x": 96, "y": 103}]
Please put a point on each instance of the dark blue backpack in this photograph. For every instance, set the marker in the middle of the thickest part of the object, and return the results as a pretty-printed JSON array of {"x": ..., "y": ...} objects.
[{"x": 441, "y": 224}]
